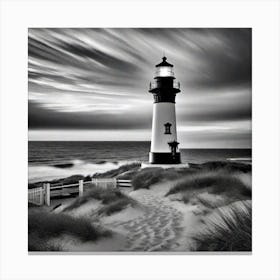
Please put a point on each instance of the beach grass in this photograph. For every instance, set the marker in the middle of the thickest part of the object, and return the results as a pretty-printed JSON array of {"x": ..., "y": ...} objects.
[
  {"x": 226, "y": 166},
  {"x": 112, "y": 198},
  {"x": 115, "y": 206},
  {"x": 221, "y": 183},
  {"x": 149, "y": 176},
  {"x": 43, "y": 225},
  {"x": 228, "y": 229},
  {"x": 146, "y": 177}
]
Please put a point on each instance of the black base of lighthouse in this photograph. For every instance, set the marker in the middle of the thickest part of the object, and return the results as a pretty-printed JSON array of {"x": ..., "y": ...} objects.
[{"x": 164, "y": 158}]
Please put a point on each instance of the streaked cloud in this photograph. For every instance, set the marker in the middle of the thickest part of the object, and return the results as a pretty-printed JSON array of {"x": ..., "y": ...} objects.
[{"x": 98, "y": 79}]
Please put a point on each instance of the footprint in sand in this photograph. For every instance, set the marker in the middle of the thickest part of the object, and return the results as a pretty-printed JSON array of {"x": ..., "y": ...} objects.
[{"x": 157, "y": 229}]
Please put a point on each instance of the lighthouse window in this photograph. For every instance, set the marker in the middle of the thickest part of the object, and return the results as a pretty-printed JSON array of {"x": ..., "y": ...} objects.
[
  {"x": 164, "y": 71},
  {"x": 167, "y": 128}
]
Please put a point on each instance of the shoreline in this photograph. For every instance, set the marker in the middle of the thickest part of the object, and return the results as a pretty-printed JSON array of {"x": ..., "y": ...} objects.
[{"x": 116, "y": 165}]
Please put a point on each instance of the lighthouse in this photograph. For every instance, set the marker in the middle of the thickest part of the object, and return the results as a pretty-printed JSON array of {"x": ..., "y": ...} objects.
[{"x": 164, "y": 146}]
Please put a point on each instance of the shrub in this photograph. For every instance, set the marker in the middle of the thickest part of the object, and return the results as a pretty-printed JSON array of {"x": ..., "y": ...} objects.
[
  {"x": 229, "y": 230},
  {"x": 45, "y": 225}
]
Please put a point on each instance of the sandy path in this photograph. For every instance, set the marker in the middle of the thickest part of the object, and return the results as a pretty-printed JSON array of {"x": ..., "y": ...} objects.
[
  {"x": 157, "y": 229},
  {"x": 156, "y": 223}
]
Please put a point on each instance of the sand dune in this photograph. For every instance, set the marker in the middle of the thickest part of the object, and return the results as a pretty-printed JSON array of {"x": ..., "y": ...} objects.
[
  {"x": 151, "y": 220},
  {"x": 155, "y": 224}
]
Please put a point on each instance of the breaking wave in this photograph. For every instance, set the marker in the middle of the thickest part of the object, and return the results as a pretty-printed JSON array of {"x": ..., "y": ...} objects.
[
  {"x": 240, "y": 159},
  {"x": 38, "y": 173}
]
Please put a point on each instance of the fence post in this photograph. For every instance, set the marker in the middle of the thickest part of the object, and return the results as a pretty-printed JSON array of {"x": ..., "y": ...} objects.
[
  {"x": 48, "y": 194},
  {"x": 93, "y": 180},
  {"x": 41, "y": 195},
  {"x": 44, "y": 193},
  {"x": 81, "y": 187}
]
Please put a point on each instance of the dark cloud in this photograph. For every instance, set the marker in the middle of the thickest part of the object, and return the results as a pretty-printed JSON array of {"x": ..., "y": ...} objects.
[
  {"x": 216, "y": 116},
  {"x": 98, "y": 78},
  {"x": 227, "y": 65},
  {"x": 225, "y": 112},
  {"x": 39, "y": 117}
]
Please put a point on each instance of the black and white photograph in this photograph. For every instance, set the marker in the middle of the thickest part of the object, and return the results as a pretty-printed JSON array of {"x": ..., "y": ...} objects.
[{"x": 139, "y": 140}]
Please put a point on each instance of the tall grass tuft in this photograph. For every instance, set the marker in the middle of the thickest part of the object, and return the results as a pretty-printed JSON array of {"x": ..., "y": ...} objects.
[
  {"x": 213, "y": 182},
  {"x": 149, "y": 176},
  {"x": 44, "y": 225},
  {"x": 228, "y": 229},
  {"x": 146, "y": 177}
]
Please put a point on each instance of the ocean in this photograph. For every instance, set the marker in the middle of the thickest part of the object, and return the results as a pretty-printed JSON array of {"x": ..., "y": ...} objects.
[{"x": 49, "y": 160}]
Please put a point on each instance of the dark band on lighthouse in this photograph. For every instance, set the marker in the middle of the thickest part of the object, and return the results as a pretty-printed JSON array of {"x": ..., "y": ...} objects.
[{"x": 164, "y": 145}]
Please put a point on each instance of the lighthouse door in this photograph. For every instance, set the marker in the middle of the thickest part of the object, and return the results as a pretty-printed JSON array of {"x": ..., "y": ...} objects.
[{"x": 173, "y": 146}]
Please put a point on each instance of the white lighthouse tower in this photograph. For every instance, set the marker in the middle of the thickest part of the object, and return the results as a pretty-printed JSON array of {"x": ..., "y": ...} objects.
[{"x": 164, "y": 145}]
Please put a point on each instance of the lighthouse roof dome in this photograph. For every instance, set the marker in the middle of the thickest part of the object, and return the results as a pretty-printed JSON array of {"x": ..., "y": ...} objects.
[{"x": 164, "y": 63}]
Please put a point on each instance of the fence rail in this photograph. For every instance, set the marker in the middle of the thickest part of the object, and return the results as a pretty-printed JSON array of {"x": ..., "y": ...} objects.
[
  {"x": 123, "y": 183},
  {"x": 43, "y": 195}
]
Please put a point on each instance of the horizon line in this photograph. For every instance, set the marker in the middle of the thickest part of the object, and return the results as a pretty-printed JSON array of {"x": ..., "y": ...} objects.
[{"x": 146, "y": 141}]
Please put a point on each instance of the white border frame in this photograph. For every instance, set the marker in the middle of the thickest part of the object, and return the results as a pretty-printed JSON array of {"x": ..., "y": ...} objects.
[{"x": 17, "y": 16}]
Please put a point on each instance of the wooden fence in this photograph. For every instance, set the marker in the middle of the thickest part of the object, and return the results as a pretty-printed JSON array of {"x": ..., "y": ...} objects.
[
  {"x": 36, "y": 196},
  {"x": 43, "y": 195},
  {"x": 123, "y": 183}
]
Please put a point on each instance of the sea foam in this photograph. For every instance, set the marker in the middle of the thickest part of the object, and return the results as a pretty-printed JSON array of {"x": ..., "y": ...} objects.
[{"x": 46, "y": 172}]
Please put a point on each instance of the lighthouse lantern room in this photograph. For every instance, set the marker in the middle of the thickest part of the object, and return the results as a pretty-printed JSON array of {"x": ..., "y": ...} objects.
[{"x": 164, "y": 145}]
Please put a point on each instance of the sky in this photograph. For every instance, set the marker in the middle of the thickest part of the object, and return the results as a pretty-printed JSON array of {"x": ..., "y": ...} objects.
[{"x": 92, "y": 84}]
